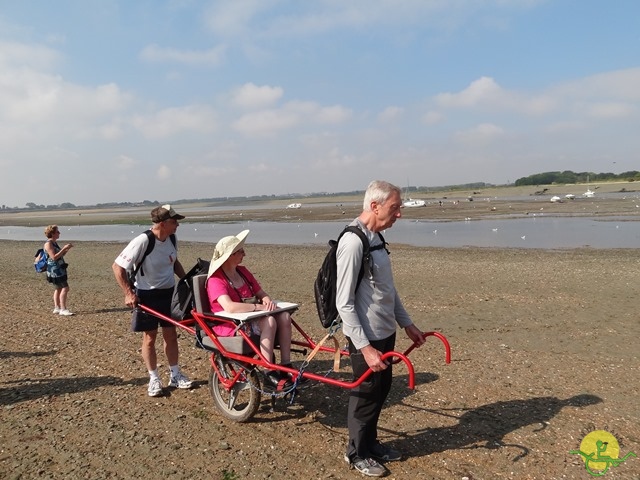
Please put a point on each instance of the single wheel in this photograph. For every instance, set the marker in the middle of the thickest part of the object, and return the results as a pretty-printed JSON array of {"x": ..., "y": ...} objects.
[{"x": 242, "y": 400}]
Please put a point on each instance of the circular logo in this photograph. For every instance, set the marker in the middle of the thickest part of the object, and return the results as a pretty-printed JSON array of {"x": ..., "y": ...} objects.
[{"x": 599, "y": 444}]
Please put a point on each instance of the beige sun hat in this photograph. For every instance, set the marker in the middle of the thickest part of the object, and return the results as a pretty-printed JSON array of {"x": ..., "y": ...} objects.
[{"x": 226, "y": 247}]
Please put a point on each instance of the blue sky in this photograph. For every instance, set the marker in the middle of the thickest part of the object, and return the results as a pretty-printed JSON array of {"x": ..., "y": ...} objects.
[{"x": 109, "y": 101}]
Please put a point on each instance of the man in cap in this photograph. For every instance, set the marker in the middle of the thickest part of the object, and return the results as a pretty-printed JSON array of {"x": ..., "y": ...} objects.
[{"x": 154, "y": 283}]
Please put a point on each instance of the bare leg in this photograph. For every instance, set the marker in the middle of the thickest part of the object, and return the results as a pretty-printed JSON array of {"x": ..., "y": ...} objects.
[
  {"x": 170, "y": 337},
  {"x": 63, "y": 297},
  {"x": 149, "y": 349},
  {"x": 56, "y": 297},
  {"x": 283, "y": 321},
  {"x": 267, "y": 336}
]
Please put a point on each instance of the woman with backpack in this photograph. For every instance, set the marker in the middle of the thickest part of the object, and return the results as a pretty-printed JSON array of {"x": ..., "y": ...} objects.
[{"x": 57, "y": 269}]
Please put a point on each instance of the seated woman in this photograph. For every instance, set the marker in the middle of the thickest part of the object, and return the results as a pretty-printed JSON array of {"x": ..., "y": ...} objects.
[{"x": 232, "y": 288}]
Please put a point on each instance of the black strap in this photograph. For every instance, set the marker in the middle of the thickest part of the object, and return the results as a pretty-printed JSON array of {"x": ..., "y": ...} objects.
[
  {"x": 151, "y": 243},
  {"x": 366, "y": 248}
]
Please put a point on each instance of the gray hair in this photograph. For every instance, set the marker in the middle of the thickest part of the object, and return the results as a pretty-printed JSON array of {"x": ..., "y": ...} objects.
[{"x": 378, "y": 191}]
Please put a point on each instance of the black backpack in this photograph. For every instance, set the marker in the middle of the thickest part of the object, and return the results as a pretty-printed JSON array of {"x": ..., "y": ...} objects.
[
  {"x": 182, "y": 302},
  {"x": 152, "y": 243},
  {"x": 325, "y": 285}
]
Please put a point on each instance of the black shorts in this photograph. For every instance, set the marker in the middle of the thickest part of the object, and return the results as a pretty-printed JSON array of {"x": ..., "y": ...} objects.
[
  {"x": 58, "y": 283},
  {"x": 158, "y": 300}
]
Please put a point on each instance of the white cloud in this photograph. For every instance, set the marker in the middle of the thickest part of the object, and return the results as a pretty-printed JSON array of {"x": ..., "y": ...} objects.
[
  {"x": 213, "y": 57},
  {"x": 252, "y": 20},
  {"x": 229, "y": 19},
  {"x": 487, "y": 94},
  {"x": 170, "y": 121},
  {"x": 480, "y": 134},
  {"x": 265, "y": 122},
  {"x": 252, "y": 96},
  {"x": 616, "y": 85},
  {"x": 610, "y": 110},
  {"x": 14, "y": 54},
  {"x": 479, "y": 91},
  {"x": 432, "y": 118},
  {"x": 291, "y": 115},
  {"x": 164, "y": 172},
  {"x": 333, "y": 115},
  {"x": 390, "y": 114},
  {"x": 123, "y": 162}
]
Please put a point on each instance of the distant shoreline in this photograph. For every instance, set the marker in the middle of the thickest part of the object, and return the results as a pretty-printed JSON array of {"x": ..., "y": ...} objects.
[{"x": 504, "y": 202}]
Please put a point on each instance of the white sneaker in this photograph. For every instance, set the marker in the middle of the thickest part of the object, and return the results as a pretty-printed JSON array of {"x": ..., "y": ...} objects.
[
  {"x": 65, "y": 312},
  {"x": 155, "y": 387},
  {"x": 56, "y": 310},
  {"x": 180, "y": 381}
]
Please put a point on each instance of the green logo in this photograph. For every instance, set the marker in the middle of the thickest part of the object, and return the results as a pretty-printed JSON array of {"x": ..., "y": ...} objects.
[{"x": 600, "y": 451}]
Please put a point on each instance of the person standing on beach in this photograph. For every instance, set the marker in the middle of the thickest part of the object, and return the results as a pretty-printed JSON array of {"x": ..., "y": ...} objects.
[
  {"x": 57, "y": 269},
  {"x": 154, "y": 285},
  {"x": 370, "y": 315}
]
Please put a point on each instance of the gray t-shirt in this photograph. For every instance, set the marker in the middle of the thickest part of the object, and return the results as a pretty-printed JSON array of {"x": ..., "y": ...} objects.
[{"x": 375, "y": 310}]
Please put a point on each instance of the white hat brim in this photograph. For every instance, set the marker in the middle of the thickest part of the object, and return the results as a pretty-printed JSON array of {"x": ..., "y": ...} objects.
[{"x": 233, "y": 247}]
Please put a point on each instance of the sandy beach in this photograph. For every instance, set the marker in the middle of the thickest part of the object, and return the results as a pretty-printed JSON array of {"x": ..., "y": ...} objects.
[{"x": 544, "y": 351}]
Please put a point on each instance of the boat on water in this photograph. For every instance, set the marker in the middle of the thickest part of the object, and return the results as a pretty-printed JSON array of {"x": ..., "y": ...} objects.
[
  {"x": 414, "y": 203},
  {"x": 294, "y": 205},
  {"x": 556, "y": 199},
  {"x": 589, "y": 193},
  {"x": 570, "y": 196}
]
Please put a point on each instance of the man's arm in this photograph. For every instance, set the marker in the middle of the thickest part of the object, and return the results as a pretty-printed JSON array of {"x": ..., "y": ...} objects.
[
  {"x": 348, "y": 262},
  {"x": 178, "y": 269},
  {"x": 120, "y": 273}
]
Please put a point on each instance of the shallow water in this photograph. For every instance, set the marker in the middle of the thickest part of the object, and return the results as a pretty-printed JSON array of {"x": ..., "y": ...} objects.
[{"x": 530, "y": 232}]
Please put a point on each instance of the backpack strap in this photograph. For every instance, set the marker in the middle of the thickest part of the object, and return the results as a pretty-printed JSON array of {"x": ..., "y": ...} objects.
[
  {"x": 366, "y": 247},
  {"x": 151, "y": 243}
]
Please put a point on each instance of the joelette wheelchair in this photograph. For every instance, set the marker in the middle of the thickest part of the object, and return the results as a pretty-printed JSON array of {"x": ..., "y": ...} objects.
[{"x": 236, "y": 380}]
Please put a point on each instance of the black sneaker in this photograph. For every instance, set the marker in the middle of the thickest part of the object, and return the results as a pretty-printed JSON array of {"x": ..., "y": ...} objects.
[
  {"x": 367, "y": 466},
  {"x": 384, "y": 453}
]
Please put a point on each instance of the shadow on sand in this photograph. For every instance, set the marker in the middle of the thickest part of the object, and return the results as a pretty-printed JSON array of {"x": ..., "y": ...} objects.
[
  {"x": 486, "y": 426},
  {"x": 27, "y": 389}
]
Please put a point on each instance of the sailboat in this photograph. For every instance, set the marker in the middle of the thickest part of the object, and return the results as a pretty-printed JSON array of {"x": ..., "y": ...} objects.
[
  {"x": 411, "y": 202},
  {"x": 414, "y": 203},
  {"x": 589, "y": 193}
]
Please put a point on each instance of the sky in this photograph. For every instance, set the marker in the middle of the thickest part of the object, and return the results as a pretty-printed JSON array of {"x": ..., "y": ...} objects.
[{"x": 130, "y": 100}]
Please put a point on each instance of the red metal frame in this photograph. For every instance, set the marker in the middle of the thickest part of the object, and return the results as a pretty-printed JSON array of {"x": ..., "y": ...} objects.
[{"x": 258, "y": 359}]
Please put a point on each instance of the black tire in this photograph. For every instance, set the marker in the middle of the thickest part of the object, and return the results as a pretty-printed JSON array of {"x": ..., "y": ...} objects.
[{"x": 242, "y": 401}]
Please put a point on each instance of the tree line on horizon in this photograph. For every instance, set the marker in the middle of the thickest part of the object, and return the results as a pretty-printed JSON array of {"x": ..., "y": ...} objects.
[
  {"x": 546, "y": 178},
  {"x": 569, "y": 177}
]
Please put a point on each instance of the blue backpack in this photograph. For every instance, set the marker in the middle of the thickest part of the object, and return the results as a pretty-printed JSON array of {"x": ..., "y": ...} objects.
[{"x": 40, "y": 260}]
